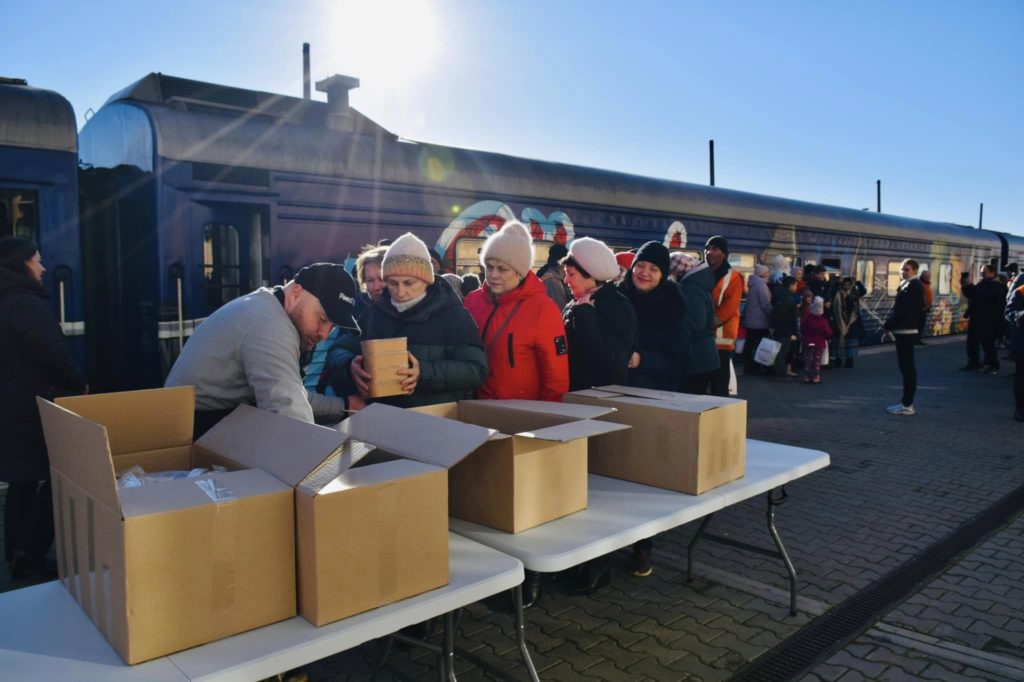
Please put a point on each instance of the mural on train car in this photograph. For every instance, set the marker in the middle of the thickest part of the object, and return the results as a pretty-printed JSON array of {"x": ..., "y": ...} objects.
[{"x": 485, "y": 217}]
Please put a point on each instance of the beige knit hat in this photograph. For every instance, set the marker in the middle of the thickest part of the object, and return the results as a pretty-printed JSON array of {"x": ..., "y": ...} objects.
[
  {"x": 408, "y": 257},
  {"x": 595, "y": 257},
  {"x": 511, "y": 244}
]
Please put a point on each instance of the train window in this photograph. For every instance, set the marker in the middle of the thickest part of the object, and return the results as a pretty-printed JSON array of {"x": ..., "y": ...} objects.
[
  {"x": 833, "y": 265},
  {"x": 893, "y": 278},
  {"x": 221, "y": 265},
  {"x": 467, "y": 256},
  {"x": 743, "y": 263},
  {"x": 864, "y": 272},
  {"x": 19, "y": 213},
  {"x": 945, "y": 278}
]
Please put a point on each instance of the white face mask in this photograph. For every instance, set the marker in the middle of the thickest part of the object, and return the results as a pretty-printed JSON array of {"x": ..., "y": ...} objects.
[{"x": 402, "y": 307}]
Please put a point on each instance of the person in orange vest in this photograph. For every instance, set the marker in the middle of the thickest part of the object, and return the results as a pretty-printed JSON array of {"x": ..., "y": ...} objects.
[{"x": 726, "y": 297}]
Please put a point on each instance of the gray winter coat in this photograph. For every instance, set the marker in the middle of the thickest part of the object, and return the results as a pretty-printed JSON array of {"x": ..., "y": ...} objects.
[
  {"x": 759, "y": 304},
  {"x": 699, "y": 330}
]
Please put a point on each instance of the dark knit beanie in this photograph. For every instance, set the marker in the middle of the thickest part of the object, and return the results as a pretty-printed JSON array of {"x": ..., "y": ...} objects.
[
  {"x": 719, "y": 241},
  {"x": 656, "y": 254}
]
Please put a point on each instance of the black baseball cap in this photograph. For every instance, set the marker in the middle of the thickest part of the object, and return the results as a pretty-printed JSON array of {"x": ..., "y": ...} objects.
[{"x": 335, "y": 289}]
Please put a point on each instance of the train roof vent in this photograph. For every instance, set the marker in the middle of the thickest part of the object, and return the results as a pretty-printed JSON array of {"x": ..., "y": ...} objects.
[{"x": 12, "y": 81}]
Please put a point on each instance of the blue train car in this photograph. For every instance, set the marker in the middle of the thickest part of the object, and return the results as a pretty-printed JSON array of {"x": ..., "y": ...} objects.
[
  {"x": 197, "y": 193},
  {"x": 39, "y": 193}
]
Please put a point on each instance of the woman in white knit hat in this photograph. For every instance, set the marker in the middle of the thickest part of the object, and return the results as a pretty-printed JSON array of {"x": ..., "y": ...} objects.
[
  {"x": 599, "y": 322},
  {"x": 446, "y": 359},
  {"x": 520, "y": 326}
]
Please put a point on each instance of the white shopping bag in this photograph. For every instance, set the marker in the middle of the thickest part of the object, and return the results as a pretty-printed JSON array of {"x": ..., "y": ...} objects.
[
  {"x": 824, "y": 355},
  {"x": 733, "y": 387},
  {"x": 767, "y": 351}
]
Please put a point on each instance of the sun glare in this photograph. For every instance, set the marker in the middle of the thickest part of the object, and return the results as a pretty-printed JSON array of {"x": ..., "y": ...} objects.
[{"x": 387, "y": 42}]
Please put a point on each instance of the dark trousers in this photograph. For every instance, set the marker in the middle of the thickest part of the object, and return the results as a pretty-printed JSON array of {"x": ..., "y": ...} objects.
[
  {"x": 1018, "y": 381},
  {"x": 988, "y": 345},
  {"x": 720, "y": 377},
  {"x": 782, "y": 359},
  {"x": 754, "y": 337},
  {"x": 905, "y": 359},
  {"x": 973, "y": 342},
  {"x": 28, "y": 520},
  {"x": 697, "y": 384}
]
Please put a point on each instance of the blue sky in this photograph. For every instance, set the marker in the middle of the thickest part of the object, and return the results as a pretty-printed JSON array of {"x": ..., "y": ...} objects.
[{"x": 806, "y": 100}]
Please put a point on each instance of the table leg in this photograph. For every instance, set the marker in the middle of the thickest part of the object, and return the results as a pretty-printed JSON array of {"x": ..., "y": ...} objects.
[
  {"x": 520, "y": 626},
  {"x": 693, "y": 543},
  {"x": 382, "y": 661},
  {"x": 448, "y": 654},
  {"x": 770, "y": 516}
]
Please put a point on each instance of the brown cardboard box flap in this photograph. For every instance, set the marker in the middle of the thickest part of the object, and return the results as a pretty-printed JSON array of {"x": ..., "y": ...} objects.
[
  {"x": 585, "y": 428},
  {"x": 425, "y": 438},
  {"x": 351, "y": 452},
  {"x": 78, "y": 448},
  {"x": 138, "y": 421},
  {"x": 288, "y": 448},
  {"x": 684, "y": 399},
  {"x": 695, "y": 404}
]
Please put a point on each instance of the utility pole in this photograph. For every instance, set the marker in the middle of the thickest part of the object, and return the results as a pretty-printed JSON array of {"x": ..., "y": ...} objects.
[
  {"x": 878, "y": 195},
  {"x": 711, "y": 150},
  {"x": 306, "y": 94},
  {"x": 981, "y": 213}
]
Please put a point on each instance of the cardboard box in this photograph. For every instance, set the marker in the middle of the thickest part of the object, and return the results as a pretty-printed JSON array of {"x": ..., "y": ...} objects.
[
  {"x": 687, "y": 443},
  {"x": 368, "y": 534},
  {"x": 532, "y": 470},
  {"x": 172, "y": 565},
  {"x": 382, "y": 358}
]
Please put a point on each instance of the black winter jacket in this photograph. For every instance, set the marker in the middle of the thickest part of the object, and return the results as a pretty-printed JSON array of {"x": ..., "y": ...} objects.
[
  {"x": 441, "y": 334},
  {"x": 660, "y": 317},
  {"x": 987, "y": 300},
  {"x": 601, "y": 338},
  {"x": 699, "y": 331},
  {"x": 784, "y": 315},
  {"x": 906, "y": 311},
  {"x": 34, "y": 361}
]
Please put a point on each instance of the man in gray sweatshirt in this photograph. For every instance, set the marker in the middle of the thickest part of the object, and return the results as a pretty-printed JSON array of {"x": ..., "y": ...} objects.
[{"x": 247, "y": 351}]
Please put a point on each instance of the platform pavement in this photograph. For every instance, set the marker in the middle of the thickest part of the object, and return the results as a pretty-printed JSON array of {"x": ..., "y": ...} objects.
[{"x": 896, "y": 485}]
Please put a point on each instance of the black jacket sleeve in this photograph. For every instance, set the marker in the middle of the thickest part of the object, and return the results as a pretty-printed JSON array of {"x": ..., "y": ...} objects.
[{"x": 44, "y": 342}]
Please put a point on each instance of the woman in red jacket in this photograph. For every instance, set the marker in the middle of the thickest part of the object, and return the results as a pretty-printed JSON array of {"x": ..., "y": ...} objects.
[{"x": 520, "y": 326}]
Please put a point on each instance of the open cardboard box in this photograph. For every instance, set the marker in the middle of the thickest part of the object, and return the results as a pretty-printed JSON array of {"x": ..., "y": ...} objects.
[
  {"x": 532, "y": 470},
  {"x": 682, "y": 442},
  {"x": 172, "y": 565},
  {"x": 368, "y": 534}
]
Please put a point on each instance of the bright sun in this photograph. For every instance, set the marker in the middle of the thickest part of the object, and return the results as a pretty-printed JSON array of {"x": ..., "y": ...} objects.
[{"x": 387, "y": 42}]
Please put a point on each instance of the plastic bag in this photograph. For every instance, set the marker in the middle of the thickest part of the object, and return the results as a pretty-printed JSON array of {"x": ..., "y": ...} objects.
[
  {"x": 733, "y": 384},
  {"x": 137, "y": 477},
  {"x": 767, "y": 351}
]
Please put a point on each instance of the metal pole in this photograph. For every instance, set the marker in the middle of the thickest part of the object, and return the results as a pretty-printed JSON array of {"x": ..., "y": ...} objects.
[
  {"x": 878, "y": 195},
  {"x": 305, "y": 71},
  {"x": 981, "y": 213},
  {"x": 711, "y": 150}
]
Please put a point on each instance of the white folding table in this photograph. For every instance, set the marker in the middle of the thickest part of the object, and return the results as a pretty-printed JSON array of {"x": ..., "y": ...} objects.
[
  {"x": 620, "y": 513},
  {"x": 45, "y": 635}
]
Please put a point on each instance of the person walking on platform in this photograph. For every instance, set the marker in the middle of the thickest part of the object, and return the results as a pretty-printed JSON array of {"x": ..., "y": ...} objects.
[
  {"x": 601, "y": 329},
  {"x": 1014, "y": 316},
  {"x": 986, "y": 301},
  {"x": 847, "y": 322},
  {"x": 926, "y": 282},
  {"x": 521, "y": 328},
  {"x": 784, "y": 324},
  {"x": 726, "y": 295},
  {"x": 700, "y": 357},
  {"x": 902, "y": 326},
  {"x": 248, "y": 350},
  {"x": 447, "y": 362},
  {"x": 757, "y": 318},
  {"x": 815, "y": 332},
  {"x": 34, "y": 361}
]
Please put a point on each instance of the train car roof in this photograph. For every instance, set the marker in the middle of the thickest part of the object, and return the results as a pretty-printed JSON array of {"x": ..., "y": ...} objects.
[
  {"x": 34, "y": 118},
  {"x": 208, "y": 123}
]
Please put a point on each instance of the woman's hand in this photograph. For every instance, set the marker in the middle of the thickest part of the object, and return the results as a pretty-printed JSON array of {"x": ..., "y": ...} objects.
[
  {"x": 634, "y": 361},
  {"x": 410, "y": 376},
  {"x": 360, "y": 376}
]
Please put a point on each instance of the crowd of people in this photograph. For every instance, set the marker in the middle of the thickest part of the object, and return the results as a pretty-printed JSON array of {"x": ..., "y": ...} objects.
[{"x": 589, "y": 317}]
